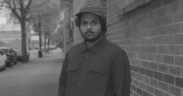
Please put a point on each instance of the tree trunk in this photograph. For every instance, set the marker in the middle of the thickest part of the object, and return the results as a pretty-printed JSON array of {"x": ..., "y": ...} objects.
[
  {"x": 40, "y": 38},
  {"x": 45, "y": 41},
  {"x": 49, "y": 43},
  {"x": 25, "y": 55},
  {"x": 40, "y": 35}
]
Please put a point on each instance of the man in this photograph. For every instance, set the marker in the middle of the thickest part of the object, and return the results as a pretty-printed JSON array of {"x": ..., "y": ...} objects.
[{"x": 95, "y": 67}]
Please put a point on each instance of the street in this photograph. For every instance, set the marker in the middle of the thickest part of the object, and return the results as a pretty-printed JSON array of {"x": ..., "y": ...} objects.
[{"x": 39, "y": 77}]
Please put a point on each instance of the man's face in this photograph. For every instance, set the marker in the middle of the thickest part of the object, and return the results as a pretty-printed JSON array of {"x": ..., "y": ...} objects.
[{"x": 90, "y": 27}]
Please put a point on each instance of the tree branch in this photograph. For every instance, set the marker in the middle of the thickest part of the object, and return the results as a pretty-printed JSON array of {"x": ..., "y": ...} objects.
[
  {"x": 29, "y": 4},
  {"x": 12, "y": 6}
]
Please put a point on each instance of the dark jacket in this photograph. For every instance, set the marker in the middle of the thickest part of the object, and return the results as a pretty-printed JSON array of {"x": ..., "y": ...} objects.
[{"x": 102, "y": 70}]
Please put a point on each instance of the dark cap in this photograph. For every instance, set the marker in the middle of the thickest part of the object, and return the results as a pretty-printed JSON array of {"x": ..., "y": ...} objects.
[{"x": 97, "y": 10}]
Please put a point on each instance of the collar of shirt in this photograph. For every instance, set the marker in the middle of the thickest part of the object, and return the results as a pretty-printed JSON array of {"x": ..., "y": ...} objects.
[{"x": 95, "y": 47}]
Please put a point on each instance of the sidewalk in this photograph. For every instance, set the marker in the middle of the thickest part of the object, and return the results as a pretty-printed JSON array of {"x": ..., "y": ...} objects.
[{"x": 39, "y": 77}]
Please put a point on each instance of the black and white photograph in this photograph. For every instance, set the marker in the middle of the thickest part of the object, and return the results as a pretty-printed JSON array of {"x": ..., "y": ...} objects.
[{"x": 91, "y": 47}]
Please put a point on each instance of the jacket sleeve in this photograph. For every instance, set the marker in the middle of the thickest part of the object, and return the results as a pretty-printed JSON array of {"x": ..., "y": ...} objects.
[
  {"x": 63, "y": 77},
  {"x": 121, "y": 77}
]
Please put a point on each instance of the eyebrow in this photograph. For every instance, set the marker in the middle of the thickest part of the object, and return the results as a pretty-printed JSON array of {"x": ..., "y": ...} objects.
[{"x": 90, "y": 20}]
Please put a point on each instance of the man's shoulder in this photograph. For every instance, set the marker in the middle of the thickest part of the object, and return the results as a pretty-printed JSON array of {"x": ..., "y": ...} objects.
[
  {"x": 76, "y": 48},
  {"x": 113, "y": 47}
]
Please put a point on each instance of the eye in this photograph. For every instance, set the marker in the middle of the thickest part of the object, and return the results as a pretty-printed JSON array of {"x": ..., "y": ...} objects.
[
  {"x": 83, "y": 23},
  {"x": 94, "y": 22}
]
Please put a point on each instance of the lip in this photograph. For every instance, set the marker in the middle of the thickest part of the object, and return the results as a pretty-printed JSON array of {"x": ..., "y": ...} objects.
[{"x": 89, "y": 34}]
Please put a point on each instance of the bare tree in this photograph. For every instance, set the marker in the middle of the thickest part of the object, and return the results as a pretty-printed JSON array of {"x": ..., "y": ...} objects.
[
  {"x": 20, "y": 10},
  {"x": 39, "y": 12},
  {"x": 44, "y": 15}
]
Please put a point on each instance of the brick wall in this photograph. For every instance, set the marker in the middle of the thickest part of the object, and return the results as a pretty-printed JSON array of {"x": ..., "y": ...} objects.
[{"x": 152, "y": 36}]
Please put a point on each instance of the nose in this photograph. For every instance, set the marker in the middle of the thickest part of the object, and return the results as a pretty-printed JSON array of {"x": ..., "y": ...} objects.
[{"x": 88, "y": 26}]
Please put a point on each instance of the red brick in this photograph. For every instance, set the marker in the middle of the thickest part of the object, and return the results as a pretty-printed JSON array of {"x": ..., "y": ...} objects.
[
  {"x": 135, "y": 94},
  {"x": 139, "y": 91},
  {"x": 181, "y": 49},
  {"x": 141, "y": 85},
  {"x": 157, "y": 40},
  {"x": 142, "y": 56},
  {"x": 172, "y": 29},
  {"x": 173, "y": 8},
  {"x": 145, "y": 64},
  {"x": 151, "y": 49},
  {"x": 181, "y": 28},
  {"x": 155, "y": 5},
  {"x": 175, "y": 90},
  {"x": 168, "y": 59},
  {"x": 145, "y": 79},
  {"x": 178, "y": 17},
  {"x": 143, "y": 33},
  {"x": 153, "y": 82},
  {"x": 179, "y": 39},
  {"x": 161, "y": 12},
  {"x": 149, "y": 57},
  {"x": 166, "y": 30},
  {"x": 182, "y": 71},
  {"x": 168, "y": 40},
  {"x": 167, "y": 94},
  {"x": 149, "y": 73},
  {"x": 174, "y": 50},
  {"x": 169, "y": 78},
  {"x": 179, "y": 82},
  {"x": 135, "y": 75},
  {"x": 150, "y": 89},
  {"x": 163, "y": 86},
  {"x": 158, "y": 92},
  {"x": 162, "y": 49},
  {"x": 139, "y": 77},
  {"x": 158, "y": 75},
  {"x": 165, "y": 2},
  {"x": 165, "y": 20},
  {"x": 179, "y": 60},
  {"x": 153, "y": 66},
  {"x": 175, "y": 70},
  {"x": 135, "y": 82},
  {"x": 163, "y": 68},
  {"x": 159, "y": 58}
]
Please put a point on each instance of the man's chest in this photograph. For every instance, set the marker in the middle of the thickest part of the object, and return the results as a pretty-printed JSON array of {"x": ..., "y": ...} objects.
[
  {"x": 88, "y": 70},
  {"x": 89, "y": 61}
]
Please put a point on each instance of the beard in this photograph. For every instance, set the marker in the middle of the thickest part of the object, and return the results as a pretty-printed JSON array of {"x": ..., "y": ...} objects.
[{"x": 90, "y": 36}]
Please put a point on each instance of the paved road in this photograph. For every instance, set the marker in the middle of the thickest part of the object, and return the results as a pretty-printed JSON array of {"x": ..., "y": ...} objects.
[{"x": 37, "y": 78}]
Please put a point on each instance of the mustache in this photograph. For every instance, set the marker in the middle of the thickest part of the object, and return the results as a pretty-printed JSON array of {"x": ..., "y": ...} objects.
[{"x": 89, "y": 32}]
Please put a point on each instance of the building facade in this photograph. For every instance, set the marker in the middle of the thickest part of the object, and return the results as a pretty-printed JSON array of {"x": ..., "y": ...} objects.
[{"x": 151, "y": 32}]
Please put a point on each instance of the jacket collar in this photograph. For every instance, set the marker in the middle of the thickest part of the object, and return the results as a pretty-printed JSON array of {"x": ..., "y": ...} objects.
[{"x": 95, "y": 47}]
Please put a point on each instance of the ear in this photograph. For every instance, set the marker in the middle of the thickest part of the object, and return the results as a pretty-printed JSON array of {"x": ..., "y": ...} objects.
[{"x": 77, "y": 21}]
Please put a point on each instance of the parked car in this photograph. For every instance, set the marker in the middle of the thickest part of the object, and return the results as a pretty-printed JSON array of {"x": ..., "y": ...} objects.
[
  {"x": 11, "y": 57},
  {"x": 4, "y": 49},
  {"x": 2, "y": 60},
  {"x": 19, "y": 56}
]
